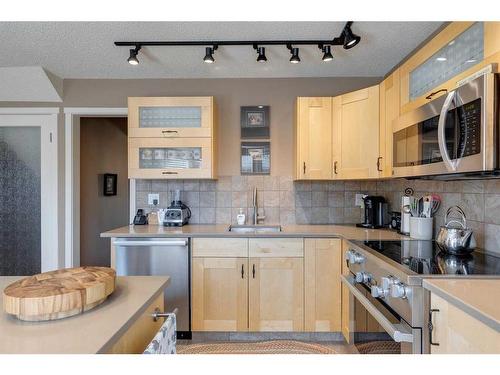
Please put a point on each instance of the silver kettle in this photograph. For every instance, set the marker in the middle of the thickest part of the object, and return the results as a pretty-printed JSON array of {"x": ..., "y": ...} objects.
[{"x": 454, "y": 236}]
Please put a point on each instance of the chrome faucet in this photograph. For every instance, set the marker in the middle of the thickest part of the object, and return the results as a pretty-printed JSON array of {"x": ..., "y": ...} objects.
[{"x": 256, "y": 216}]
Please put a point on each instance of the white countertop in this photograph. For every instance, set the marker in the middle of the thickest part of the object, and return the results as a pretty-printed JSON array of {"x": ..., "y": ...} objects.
[
  {"x": 94, "y": 331},
  {"x": 477, "y": 297}
]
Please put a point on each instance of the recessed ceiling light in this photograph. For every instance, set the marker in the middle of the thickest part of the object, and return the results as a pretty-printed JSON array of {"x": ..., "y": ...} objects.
[{"x": 441, "y": 59}]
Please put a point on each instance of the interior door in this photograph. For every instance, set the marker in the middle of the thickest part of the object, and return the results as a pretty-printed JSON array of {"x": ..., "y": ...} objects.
[
  {"x": 28, "y": 195},
  {"x": 276, "y": 294}
]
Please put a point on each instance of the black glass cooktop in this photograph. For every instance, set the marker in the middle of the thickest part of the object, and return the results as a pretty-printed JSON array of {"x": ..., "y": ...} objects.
[{"x": 426, "y": 258}]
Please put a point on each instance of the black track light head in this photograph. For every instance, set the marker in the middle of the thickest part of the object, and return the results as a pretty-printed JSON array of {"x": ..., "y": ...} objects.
[
  {"x": 132, "y": 60},
  {"x": 295, "y": 59},
  {"x": 262, "y": 54},
  {"x": 350, "y": 39},
  {"x": 209, "y": 58},
  {"x": 327, "y": 53}
]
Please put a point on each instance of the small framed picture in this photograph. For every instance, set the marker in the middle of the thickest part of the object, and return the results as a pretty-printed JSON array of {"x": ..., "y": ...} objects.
[
  {"x": 255, "y": 122},
  {"x": 255, "y": 158},
  {"x": 110, "y": 184}
]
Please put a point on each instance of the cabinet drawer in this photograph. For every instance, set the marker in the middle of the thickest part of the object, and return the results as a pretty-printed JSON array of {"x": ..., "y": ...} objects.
[
  {"x": 153, "y": 117},
  {"x": 275, "y": 247},
  {"x": 141, "y": 332},
  {"x": 220, "y": 247},
  {"x": 170, "y": 158}
]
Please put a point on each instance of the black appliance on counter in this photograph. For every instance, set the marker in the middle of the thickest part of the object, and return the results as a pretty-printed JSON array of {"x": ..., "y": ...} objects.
[{"x": 375, "y": 212}]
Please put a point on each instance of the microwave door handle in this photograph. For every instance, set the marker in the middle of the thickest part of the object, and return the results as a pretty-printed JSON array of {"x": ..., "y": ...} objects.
[
  {"x": 450, "y": 165},
  {"x": 394, "y": 331}
]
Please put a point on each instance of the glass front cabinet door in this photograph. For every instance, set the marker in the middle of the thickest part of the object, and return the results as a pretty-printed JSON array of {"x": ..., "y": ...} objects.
[
  {"x": 170, "y": 158},
  {"x": 170, "y": 117}
]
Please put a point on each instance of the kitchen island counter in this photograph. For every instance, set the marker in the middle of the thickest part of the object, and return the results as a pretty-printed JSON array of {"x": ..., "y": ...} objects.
[{"x": 95, "y": 331}]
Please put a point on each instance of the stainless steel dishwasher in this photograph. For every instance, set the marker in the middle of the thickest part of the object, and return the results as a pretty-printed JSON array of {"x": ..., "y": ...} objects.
[{"x": 159, "y": 257}]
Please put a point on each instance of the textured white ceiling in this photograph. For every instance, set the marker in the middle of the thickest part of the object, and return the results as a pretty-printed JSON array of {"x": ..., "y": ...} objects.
[{"x": 86, "y": 49}]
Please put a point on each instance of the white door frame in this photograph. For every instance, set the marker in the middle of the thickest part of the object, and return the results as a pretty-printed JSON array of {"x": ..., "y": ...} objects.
[
  {"x": 72, "y": 172},
  {"x": 52, "y": 244}
]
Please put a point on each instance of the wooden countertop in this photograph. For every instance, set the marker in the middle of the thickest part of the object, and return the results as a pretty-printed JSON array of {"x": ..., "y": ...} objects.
[
  {"x": 477, "y": 297},
  {"x": 92, "y": 332},
  {"x": 349, "y": 232}
]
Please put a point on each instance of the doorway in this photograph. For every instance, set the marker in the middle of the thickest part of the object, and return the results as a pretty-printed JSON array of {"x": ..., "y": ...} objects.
[
  {"x": 28, "y": 193},
  {"x": 103, "y": 150}
]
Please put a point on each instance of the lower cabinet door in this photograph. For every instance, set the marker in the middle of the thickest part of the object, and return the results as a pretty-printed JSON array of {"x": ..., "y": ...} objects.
[
  {"x": 276, "y": 294},
  {"x": 322, "y": 285},
  {"x": 219, "y": 294}
]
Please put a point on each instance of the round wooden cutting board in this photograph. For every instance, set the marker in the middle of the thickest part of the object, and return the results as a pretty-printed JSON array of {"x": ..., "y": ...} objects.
[{"x": 58, "y": 294}]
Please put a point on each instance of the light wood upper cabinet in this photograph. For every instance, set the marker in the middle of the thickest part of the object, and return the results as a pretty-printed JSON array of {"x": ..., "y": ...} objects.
[
  {"x": 322, "y": 270},
  {"x": 219, "y": 294},
  {"x": 457, "y": 332},
  {"x": 172, "y": 137},
  {"x": 436, "y": 81},
  {"x": 389, "y": 113},
  {"x": 159, "y": 158},
  {"x": 153, "y": 117},
  {"x": 276, "y": 294},
  {"x": 313, "y": 138},
  {"x": 356, "y": 125}
]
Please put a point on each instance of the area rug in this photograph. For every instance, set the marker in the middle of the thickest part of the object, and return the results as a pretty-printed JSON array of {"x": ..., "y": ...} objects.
[
  {"x": 379, "y": 347},
  {"x": 265, "y": 347}
]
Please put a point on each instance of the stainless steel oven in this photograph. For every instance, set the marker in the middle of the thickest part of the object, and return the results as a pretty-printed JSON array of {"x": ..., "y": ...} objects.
[{"x": 453, "y": 135}]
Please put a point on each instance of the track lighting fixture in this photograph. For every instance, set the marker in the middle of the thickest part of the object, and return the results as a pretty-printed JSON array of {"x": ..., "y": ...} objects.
[
  {"x": 295, "y": 59},
  {"x": 350, "y": 39},
  {"x": 327, "y": 53},
  {"x": 209, "y": 51},
  {"x": 261, "y": 54},
  {"x": 347, "y": 39},
  {"x": 132, "y": 60}
]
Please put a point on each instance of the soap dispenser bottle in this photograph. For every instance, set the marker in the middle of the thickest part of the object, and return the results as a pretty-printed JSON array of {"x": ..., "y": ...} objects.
[{"x": 240, "y": 218}]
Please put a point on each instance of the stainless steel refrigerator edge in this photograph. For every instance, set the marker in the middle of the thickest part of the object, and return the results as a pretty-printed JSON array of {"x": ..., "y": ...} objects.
[{"x": 160, "y": 257}]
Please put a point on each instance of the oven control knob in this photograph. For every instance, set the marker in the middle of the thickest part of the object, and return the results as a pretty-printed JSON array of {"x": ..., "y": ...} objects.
[
  {"x": 354, "y": 257},
  {"x": 378, "y": 291},
  {"x": 363, "y": 277},
  {"x": 387, "y": 282},
  {"x": 399, "y": 290}
]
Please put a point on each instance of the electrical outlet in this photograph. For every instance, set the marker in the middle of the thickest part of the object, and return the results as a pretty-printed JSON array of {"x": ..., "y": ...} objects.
[
  {"x": 358, "y": 202},
  {"x": 152, "y": 198}
]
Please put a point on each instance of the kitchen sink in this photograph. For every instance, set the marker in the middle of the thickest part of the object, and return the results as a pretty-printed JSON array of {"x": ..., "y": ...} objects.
[{"x": 254, "y": 228}]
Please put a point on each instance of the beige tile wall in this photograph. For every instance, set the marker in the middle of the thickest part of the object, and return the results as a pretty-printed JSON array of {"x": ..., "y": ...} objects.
[{"x": 283, "y": 201}]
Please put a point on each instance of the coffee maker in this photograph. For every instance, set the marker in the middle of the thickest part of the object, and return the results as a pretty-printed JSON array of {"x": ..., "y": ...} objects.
[{"x": 375, "y": 212}]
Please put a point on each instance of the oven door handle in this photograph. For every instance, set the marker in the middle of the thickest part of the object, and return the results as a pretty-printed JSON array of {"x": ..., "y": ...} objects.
[{"x": 393, "y": 330}]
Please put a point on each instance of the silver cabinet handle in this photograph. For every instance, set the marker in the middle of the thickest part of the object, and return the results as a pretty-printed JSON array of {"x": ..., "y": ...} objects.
[
  {"x": 157, "y": 314},
  {"x": 393, "y": 330},
  {"x": 149, "y": 243}
]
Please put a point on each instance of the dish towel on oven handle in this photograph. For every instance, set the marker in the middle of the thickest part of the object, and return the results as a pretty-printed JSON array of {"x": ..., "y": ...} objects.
[{"x": 165, "y": 339}]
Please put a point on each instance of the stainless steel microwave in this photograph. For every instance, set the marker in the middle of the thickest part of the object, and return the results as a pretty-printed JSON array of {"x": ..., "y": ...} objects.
[{"x": 454, "y": 136}]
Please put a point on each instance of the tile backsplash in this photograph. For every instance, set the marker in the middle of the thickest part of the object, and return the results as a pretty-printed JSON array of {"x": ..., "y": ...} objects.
[{"x": 284, "y": 201}]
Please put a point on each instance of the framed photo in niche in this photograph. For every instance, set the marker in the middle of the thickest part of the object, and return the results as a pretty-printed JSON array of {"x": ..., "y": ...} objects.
[
  {"x": 255, "y": 158},
  {"x": 255, "y": 122},
  {"x": 110, "y": 184}
]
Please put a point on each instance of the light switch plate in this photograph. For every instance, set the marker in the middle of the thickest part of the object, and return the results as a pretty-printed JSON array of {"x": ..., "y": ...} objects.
[
  {"x": 152, "y": 198},
  {"x": 358, "y": 202}
]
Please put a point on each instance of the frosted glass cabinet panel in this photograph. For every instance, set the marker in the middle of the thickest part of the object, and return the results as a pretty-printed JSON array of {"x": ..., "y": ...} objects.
[
  {"x": 152, "y": 117},
  {"x": 458, "y": 55},
  {"x": 170, "y": 158},
  {"x": 20, "y": 200}
]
